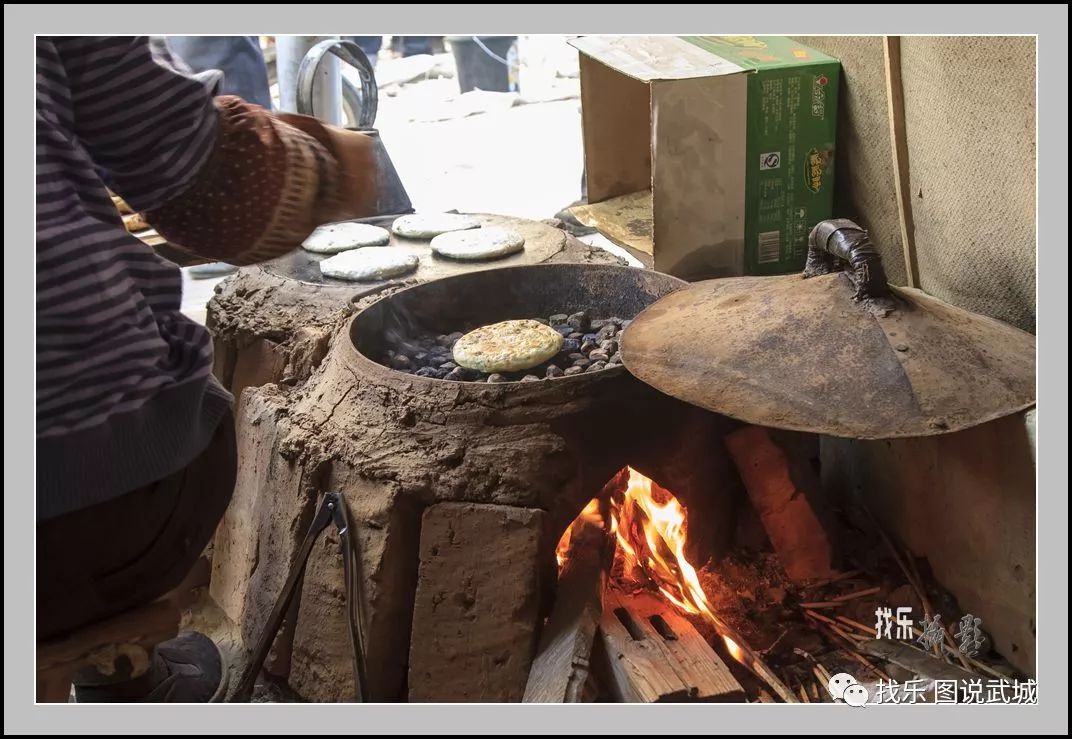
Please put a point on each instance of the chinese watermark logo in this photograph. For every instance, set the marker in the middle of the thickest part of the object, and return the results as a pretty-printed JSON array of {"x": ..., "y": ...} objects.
[
  {"x": 958, "y": 692},
  {"x": 890, "y": 624},
  {"x": 884, "y": 625},
  {"x": 933, "y": 632},
  {"x": 970, "y": 635},
  {"x": 844, "y": 687}
]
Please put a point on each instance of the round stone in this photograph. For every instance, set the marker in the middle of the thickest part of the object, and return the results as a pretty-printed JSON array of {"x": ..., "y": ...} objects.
[
  {"x": 607, "y": 332},
  {"x": 579, "y": 321}
]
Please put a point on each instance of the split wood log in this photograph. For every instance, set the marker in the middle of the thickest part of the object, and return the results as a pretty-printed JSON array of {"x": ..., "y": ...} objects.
[
  {"x": 654, "y": 655},
  {"x": 916, "y": 660},
  {"x": 830, "y": 580},
  {"x": 563, "y": 659}
]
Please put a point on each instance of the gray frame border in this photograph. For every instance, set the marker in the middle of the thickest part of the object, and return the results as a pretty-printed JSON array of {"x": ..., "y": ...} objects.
[{"x": 1049, "y": 22}]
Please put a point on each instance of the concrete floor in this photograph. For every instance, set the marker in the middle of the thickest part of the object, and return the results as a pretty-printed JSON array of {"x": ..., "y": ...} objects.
[{"x": 512, "y": 154}]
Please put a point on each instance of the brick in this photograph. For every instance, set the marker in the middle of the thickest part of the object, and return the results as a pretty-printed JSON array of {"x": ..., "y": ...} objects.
[
  {"x": 476, "y": 612},
  {"x": 257, "y": 540},
  {"x": 387, "y": 525},
  {"x": 782, "y": 503}
]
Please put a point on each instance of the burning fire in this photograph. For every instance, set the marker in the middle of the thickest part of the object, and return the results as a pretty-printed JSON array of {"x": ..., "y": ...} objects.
[
  {"x": 650, "y": 526},
  {"x": 735, "y": 651},
  {"x": 651, "y": 530},
  {"x": 590, "y": 514}
]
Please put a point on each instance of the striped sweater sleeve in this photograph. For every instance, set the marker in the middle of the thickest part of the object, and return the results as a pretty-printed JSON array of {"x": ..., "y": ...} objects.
[
  {"x": 217, "y": 177},
  {"x": 265, "y": 187},
  {"x": 148, "y": 128}
]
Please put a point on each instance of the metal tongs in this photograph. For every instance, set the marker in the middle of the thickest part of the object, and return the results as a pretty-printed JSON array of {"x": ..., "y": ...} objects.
[{"x": 332, "y": 510}]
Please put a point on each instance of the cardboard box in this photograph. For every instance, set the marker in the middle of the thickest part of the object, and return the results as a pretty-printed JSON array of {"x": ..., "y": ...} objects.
[{"x": 708, "y": 156}]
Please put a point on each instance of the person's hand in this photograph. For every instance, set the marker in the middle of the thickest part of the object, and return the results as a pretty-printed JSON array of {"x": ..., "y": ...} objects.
[{"x": 357, "y": 180}]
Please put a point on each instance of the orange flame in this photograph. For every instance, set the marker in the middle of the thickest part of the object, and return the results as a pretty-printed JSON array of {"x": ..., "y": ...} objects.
[
  {"x": 650, "y": 527},
  {"x": 735, "y": 651},
  {"x": 590, "y": 514}
]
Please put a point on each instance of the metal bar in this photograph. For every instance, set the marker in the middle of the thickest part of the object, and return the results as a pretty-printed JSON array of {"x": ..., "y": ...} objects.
[
  {"x": 327, "y": 102},
  {"x": 899, "y": 146}
]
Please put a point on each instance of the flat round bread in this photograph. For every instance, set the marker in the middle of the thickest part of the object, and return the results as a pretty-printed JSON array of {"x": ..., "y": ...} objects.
[
  {"x": 135, "y": 222},
  {"x": 332, "y": 238},
  {"x": 121, "y": 205},
  {"x": 427, "y": 226},
  {"x": 508, "y": 346},
  {"x": 476, "y": 246},
  {"x": 366, "y": 265}
]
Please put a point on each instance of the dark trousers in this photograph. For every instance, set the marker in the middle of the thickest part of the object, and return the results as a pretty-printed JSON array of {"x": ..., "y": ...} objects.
[
  {"x": 408, "y": 45},
  {"x": 239, "y": 58},
  {"x": 100, "y": 561}
]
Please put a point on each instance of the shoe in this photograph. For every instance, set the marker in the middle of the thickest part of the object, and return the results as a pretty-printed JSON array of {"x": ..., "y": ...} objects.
[{"x": 187, "y": 669}]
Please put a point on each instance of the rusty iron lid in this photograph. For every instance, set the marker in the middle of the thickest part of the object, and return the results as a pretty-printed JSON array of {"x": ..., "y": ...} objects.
[{"x": 832, "y": 352}]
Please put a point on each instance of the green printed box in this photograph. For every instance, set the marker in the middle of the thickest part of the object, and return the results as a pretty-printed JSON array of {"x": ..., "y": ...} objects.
[{"x": 708, "y": 156}]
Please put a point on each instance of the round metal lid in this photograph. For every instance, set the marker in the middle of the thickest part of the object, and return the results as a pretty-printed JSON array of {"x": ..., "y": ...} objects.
[{"x": 802, "y": 354}]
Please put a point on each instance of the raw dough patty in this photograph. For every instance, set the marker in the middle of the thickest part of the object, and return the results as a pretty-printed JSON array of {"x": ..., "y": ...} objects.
[
  {"x": 332, "y": 238},
  {"x": 474, "y": 246},
  {"x": 418, "y": 226},
  {"x": 366, "y": 265}
]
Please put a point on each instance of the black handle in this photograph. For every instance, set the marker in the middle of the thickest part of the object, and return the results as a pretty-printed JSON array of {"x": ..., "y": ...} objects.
[
  {"x": 840, "y": 239},
  {"x": 350, "y": 53},
  {"x": 244, "y": 692},
  {"x": 332, "y": 509}
]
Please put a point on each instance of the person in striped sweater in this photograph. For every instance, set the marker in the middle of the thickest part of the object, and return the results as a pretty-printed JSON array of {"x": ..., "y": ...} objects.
[
  {"x": 135, "y": 458},
  {"x": 244, "y": 74}
]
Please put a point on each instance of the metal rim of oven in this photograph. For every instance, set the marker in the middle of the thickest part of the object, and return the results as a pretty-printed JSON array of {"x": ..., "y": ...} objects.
[{"x": 374, "y": 368}]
